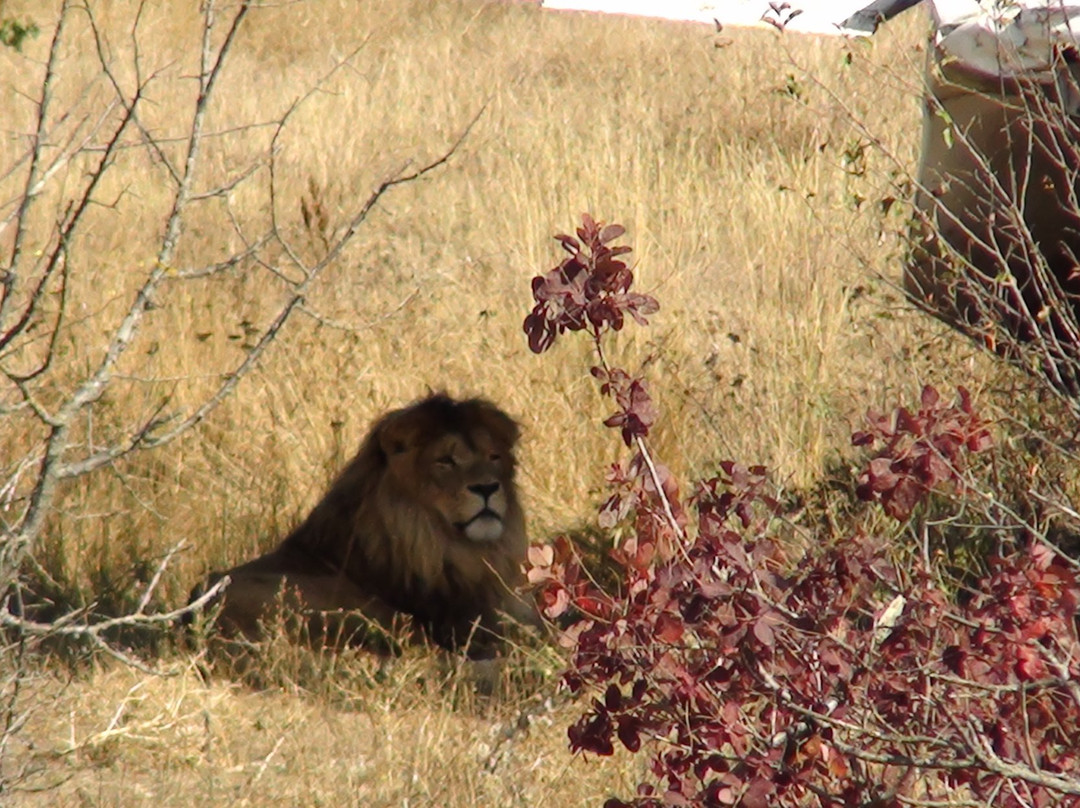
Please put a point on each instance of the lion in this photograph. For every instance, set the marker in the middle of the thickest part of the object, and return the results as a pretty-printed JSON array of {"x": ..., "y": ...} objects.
[{"x": 423, "y": 523}]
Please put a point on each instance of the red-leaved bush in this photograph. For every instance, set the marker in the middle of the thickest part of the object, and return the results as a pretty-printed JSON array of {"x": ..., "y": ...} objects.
[
  {"x": 754, "y": 673},
  {"x": 921, "y": 451}
]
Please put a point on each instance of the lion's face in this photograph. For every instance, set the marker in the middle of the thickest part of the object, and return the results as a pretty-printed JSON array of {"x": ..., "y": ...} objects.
[
  {"x": 464, "y": 478},
  {"x": 461, "y": 469}
]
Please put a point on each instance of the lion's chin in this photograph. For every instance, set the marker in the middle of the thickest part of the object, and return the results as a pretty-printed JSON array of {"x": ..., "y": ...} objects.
[{"x": 484, "y": 528}]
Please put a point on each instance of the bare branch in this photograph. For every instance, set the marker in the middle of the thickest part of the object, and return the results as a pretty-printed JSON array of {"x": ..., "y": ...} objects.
[
  {"x": 68, "y": 625},
  {"x": 338, "y": 325},
  {"x": 94, "y": 385},
  {"x": 105, "y": 63},
  {"x": 9, "y": 280},
  {"x": 147, "y": 436}
]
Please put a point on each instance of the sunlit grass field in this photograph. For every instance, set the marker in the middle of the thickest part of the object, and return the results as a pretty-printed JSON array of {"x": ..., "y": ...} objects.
[{"x": 753, "y": 172}]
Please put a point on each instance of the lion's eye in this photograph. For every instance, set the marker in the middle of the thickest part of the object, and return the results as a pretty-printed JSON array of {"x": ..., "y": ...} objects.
[
  {"x": 446, "y": 461},
  {"x": 495, "y": 457}
]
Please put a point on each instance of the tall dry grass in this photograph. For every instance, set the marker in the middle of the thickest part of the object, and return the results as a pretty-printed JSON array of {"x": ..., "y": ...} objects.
[
  {"x": 730, "y": 166},
  {"x": 751, "y": 201}
]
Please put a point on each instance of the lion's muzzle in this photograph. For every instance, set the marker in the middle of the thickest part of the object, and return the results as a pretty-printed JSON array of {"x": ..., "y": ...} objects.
[{"x": 486, "y": 524}]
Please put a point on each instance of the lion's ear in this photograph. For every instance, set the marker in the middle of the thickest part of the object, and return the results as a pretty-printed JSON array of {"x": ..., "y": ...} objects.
[
  {"x": 396, "y": 433},
  {"x": 501, "y": 426}
]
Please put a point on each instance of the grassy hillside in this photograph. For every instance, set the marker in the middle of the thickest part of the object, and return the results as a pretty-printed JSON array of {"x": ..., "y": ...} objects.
[{"x": 749, "y": 169}]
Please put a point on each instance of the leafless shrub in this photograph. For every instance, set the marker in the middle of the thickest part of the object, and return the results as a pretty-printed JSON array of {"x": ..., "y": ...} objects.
[{"x": 68, "y": 169}]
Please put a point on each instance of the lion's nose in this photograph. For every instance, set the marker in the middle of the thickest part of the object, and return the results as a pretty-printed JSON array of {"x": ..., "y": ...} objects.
[{"x": 484, "y": 490}]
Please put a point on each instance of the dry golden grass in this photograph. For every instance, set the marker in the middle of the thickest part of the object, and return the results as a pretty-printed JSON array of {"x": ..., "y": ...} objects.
[
  {"x": 738, "y": 173},
  {"x": 775, "y": 330},
  {"x": 116, "y": 737}
]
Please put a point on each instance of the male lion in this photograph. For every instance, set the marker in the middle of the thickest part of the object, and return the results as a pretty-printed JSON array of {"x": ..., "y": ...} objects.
[{"x": 424, "y": 521}]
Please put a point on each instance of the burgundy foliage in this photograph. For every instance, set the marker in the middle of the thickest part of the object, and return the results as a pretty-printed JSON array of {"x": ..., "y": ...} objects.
[
  {"x": 921, "y": 451},
  {"x": 588, "y": 290},
  {"x": 755, "y": 674}
]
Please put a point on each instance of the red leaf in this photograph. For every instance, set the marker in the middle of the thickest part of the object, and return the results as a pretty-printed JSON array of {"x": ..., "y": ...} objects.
[
  {"x": 763, "y": 630},
  {"x": 965, "y": 399},
  {"x": 569, "y": 243},
  {"x": 541, "y": 555},
  {"x": 593, "y": 734},
  {"x": 555, "y": 602},
  {"x": 935, "y": 470},
  {"x": 930, "y": 397},
  {"x": 726, "y": 796},
  {"x": 758, "y": 794},
  {"x": 837, "y": 763},
  {"x": 541, "y": 334},
  {"x": 1041, "y": 556},
  {"x": 901, "y": 500},
  {"x": 669, "y": 629},
  {"x": 1029, "y": 665},
  {"x": 611, "y": 232},
  {"x": 882, "y": 476},
  {"x": 629, "y": 734},
  {"x": 906, "y": 422},
  {"x": 980, "y": 441},
  {"x": 614, "y": 510}
]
